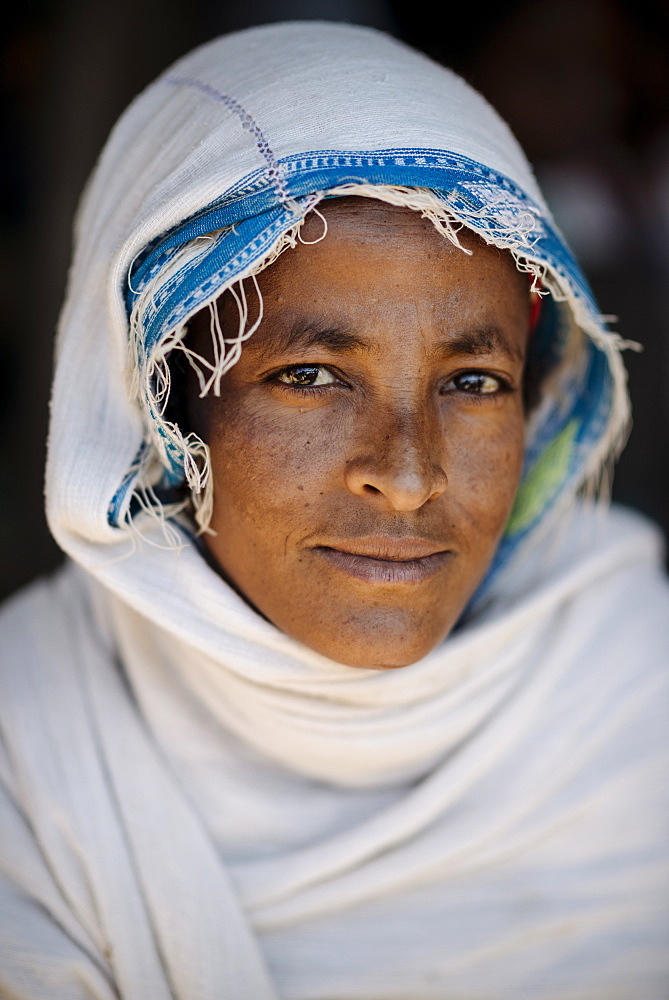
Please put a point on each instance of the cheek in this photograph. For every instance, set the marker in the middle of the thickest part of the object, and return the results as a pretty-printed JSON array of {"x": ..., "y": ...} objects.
[
  {"x": 268, "y": 469},
  {"x": 485, "y": 465},
  {"x": 279, "y": 475}
]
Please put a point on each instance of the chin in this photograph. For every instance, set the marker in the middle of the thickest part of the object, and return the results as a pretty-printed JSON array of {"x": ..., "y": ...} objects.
[
  {"x": 384, "y": 646},
  {"x": 373, "y": 659}
]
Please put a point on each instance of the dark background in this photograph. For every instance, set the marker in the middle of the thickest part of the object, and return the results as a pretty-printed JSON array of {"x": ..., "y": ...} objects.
[{"x": 584, "y": 84}]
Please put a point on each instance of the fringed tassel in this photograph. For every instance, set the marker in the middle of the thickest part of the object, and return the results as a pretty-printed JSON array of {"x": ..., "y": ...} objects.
[{"x": 149, "y": 379}]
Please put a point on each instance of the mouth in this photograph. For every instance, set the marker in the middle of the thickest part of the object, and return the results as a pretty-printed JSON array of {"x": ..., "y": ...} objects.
[{"x": 386, "y": 560}]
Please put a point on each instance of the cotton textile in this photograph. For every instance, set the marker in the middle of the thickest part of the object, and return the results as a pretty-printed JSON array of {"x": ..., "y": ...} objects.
[
  {"x": 194, "y": 805},
  {"x": 231, "y": 811}
]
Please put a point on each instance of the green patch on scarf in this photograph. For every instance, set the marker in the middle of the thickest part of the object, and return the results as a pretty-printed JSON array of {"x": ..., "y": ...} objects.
[{"x": 543, "y": 480}]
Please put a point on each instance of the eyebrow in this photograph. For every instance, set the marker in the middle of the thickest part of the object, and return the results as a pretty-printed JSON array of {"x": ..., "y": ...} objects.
[
  {"x": 479, "y": 342},
  {"x": 340, "y": 339},
  {"x": 309, "y": 333}
]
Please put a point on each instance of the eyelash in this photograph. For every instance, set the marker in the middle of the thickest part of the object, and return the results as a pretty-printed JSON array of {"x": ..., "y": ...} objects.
[
  {"x": 292, "y": 369},
  {"x": 503, "y": 385}
]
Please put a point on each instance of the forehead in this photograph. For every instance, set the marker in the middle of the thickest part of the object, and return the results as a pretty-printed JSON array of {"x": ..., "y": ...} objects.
[
  {"x": 381, "y": 278},
  {"x": 354, "y": 242},
  {"x": 365, "y": 266}
]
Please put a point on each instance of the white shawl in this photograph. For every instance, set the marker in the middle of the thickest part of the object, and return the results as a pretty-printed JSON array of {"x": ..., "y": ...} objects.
[{"x": 193, "y": 806}]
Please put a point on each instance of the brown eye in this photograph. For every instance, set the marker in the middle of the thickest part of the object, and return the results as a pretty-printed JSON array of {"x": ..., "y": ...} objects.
[
  {"x": 474, "y": 383},
  {"x": 306, "y": 376}
]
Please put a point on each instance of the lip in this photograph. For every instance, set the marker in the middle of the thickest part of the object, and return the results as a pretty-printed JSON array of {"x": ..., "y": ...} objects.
[{"x": 385, "y": 560}]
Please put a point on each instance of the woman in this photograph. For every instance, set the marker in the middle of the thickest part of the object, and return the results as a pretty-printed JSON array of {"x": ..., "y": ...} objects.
[{"x": 328, "y": 387}]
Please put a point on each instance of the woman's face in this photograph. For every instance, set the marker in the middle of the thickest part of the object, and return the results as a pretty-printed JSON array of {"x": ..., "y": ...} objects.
[{"x": 367, "y": 447}]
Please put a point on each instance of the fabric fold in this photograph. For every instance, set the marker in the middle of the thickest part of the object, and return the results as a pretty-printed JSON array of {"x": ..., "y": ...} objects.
[{"x": 197, "y": 806}]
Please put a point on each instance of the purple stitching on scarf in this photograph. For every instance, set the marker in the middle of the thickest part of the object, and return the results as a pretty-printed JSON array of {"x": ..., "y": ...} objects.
[{"x": 248, "y": 122}]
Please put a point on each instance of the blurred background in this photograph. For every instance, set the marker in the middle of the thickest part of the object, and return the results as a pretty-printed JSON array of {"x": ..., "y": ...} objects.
[{"x": 584, "y": 85}]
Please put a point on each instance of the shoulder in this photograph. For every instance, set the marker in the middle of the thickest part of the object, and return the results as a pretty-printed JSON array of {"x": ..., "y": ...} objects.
[
  {"x": 610, "y": 634},
  {"x": 37, "y": 610},
  {"x": 612, "y": 597},
  {"x": 47, "y": 634},
  {"x": 40, "y": 630},
  {"x": 48, "y": 913},
  {"x": 592, "y": 605},
  {"x": 584, "y": 554},
  {"x": 624, "y": 581}
]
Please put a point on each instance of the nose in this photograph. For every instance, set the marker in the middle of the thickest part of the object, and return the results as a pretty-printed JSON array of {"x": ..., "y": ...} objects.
[{"x": 403, "y": 464}]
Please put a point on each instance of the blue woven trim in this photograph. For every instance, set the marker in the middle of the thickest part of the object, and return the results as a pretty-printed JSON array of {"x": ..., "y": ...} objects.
[
  {"x": 226, "y": 257},
  {"x": 249, "y": 218},
  {"x": 460, "y": 182},
  {"x": 115, "y": 510}
]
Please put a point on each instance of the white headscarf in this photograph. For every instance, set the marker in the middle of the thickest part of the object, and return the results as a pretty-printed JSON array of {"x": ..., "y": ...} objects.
[{"x": 200, "y": 807}]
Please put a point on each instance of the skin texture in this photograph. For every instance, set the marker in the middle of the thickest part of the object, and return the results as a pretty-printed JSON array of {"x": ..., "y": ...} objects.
[{"x": 367, "y": 447}]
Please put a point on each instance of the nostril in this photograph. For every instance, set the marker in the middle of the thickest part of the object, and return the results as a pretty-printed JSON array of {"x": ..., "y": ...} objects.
[{"x": 371, "y": 489}]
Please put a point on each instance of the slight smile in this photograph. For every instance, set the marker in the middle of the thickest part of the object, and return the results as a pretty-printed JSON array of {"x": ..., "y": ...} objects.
[{"x": 386, "y": 560}]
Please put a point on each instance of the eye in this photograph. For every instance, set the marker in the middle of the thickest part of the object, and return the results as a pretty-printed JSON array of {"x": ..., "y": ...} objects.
[
  {"x": 308, "y": 376},
  {"x": 475, "y": 383}
]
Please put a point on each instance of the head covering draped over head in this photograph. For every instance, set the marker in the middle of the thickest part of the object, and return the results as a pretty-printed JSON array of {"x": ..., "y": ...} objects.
[
  {"x": 219, "y": 811},
  {"x": 209, "y": 175}
]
